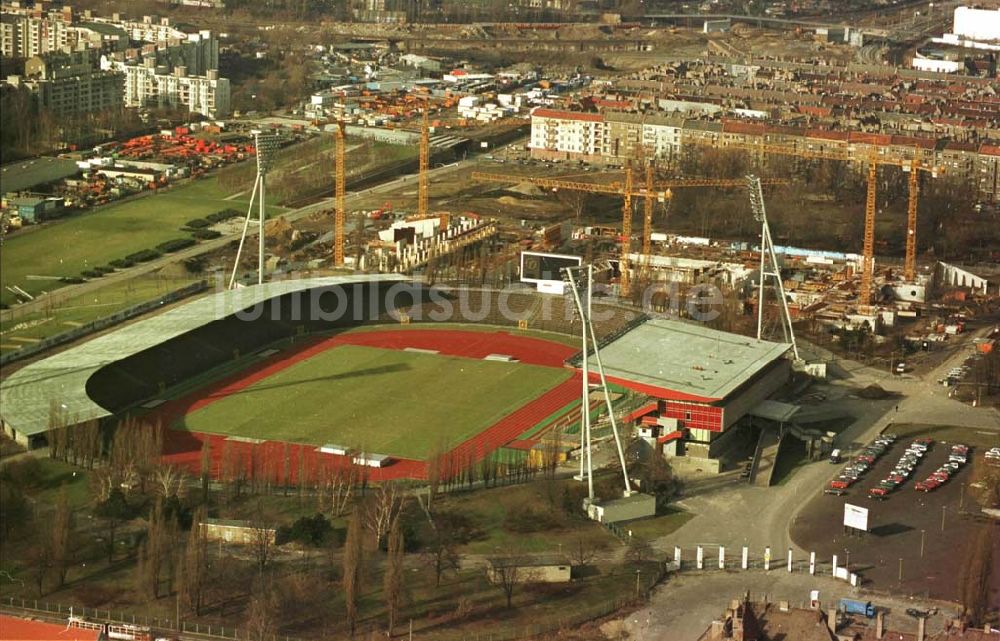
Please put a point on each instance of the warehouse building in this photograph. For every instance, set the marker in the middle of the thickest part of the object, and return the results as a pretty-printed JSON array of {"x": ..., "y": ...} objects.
[{"x": 702, "y": 382}]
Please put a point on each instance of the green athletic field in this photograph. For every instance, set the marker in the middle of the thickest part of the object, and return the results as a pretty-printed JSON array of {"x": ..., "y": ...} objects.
[
  {"x": 394, "y": 402},
  {"x": 94, "y": 238}
]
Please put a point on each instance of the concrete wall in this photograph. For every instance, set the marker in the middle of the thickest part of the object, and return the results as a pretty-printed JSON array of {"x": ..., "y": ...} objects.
[
  {"x": 238, "y": 534},
  {"x": 540, "y": 574},
  {"x": 756, "y": 390}
]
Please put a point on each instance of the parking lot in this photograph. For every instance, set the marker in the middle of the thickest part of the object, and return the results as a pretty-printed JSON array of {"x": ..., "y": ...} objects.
[{"x": 898, "y": 523}]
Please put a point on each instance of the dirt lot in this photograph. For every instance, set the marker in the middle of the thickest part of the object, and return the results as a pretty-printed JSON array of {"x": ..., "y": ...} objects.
[{"x": 898, "y": 523}]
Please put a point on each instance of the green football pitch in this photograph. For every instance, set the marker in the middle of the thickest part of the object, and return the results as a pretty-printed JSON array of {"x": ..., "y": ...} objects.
[{"x": 404, "y": 404}]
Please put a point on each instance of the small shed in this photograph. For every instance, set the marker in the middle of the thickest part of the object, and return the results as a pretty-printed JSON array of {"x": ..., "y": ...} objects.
[
  {"x": 333, "y": 448},
  {"x": 238, "y": 532},
  {"x": 33, "y": 209},
  {"x": 539, "y": 568},
  {"x": 372, "y": 460},
  {"x": 636, "y": 506}
]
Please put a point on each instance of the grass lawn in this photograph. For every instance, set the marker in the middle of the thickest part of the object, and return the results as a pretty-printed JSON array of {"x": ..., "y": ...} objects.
[
  {"x": 385, "y": 401},
  {"x": 79, "y": 309},
  {"x": 488, "y": 510},
  {"x": 95, "y": 238}
]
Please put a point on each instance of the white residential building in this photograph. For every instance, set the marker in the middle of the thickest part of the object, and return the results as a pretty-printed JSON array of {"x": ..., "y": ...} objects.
[
  {"x": 150, "y": 86},
  {"x": 567, "y": 135}
]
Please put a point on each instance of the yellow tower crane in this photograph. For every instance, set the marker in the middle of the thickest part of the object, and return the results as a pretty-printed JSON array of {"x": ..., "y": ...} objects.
[
  {"x": 876, "y": 156},
  {"x": 340, "y": 192},
  {"x": 627, "y": 190},
  {"x": 425, "y": 161}
]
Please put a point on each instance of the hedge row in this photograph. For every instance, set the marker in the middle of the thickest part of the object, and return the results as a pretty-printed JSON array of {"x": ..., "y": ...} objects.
[
  {"x": 197, "y": 223},
  {"x": 225, "y": 214},
  {"x": 175, "y": 245},
  {"x": 143, "y": 256},
  {"x": 206, "y": 234}
]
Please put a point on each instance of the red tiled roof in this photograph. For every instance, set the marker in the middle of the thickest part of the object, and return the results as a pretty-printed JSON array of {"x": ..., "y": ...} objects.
[
  {"x": 541, "y": 112},
  {"x": 913, "y": 141},
  {"x": 824, "y": 134},
  {"x": 612, "y": 104},
  {"x": 989, "y": 150},
  {"x": 870, "y": 139},
  {"x": 812, "y": 110},
  {"x": 15, "y": 629},
  {"x": 672, "y": 436},
  {"x": 739, "y": 127},
  {"x": 960, "y": 146}
]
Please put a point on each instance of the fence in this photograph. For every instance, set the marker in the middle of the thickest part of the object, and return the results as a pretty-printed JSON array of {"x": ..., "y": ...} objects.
[
  {"x": 645, "y": 582},
  {"x": 104, "y": 323}
]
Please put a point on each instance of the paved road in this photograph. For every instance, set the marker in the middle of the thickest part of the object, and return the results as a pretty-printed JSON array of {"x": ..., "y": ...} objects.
[
  {"x": 734, "y": 514},
  {"x": 205, "y": 247},
  {"x": 684, "y": 607}
]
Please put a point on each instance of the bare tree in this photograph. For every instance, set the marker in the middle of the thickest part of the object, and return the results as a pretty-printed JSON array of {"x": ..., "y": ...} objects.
[
  {"x": 434, "y": 474},
  {"x": 155, "y": 553},
  {"x": 393, "y": 580},
  {"x": 89, "y": 443},
  {"x": 262, "y": 611},
  {"x": 975, "y": 577},
  {"x": 582, "y": 553},
  {"x": 194, "y": 577},
  {"x": 168, "y": 479},
  {"x": 39, "y": 558},
  {"x": 507, "y": 571},
  {"x": 261, "y": 537},
  {"x": 382, "y": 509},
  {"x": 337, "y": 488},
  {"x": 62, "y": 534},
  {"x": 638, "y": 550},
  {"x": 352, "y": 562},
  {"x": 286, "y": 468},
  {"x": 205, "y": 469}
]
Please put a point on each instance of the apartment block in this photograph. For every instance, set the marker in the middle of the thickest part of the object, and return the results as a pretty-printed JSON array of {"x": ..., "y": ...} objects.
[
  {"x": 567, "y": 135},
  {"x": 155, "y": 86},
  {"x": 71, "y": 84},
  {"x": 24, "y": 36},
  {"x": 613, "y": 137}
]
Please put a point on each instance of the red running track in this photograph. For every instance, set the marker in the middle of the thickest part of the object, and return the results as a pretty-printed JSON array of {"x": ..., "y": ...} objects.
[{"x": 284, "y": 462}]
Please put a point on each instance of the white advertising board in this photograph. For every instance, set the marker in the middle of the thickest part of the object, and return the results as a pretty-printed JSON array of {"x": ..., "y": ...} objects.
[{"x": 856, "y": 517}]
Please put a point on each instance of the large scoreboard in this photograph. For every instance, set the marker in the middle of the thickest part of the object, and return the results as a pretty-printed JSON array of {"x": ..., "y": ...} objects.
[{"x": 545, "y": 270}]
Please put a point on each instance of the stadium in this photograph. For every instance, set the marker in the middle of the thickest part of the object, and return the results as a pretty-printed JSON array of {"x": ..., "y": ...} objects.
[{"x": 381, "y": 372}]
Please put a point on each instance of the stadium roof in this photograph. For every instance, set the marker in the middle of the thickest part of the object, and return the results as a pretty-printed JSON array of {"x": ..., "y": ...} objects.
[
  {"x": 27, "y": 396},
  {"x": 673, "y": 359}
]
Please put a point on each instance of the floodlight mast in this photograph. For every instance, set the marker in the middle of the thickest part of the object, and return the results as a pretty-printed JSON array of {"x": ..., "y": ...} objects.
[
  {"x": 768, "y": 255},
  {"x": 585, "y": 472},
  {"x": 265, "y": 144},
  {"x": 588, "y": 332}
]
